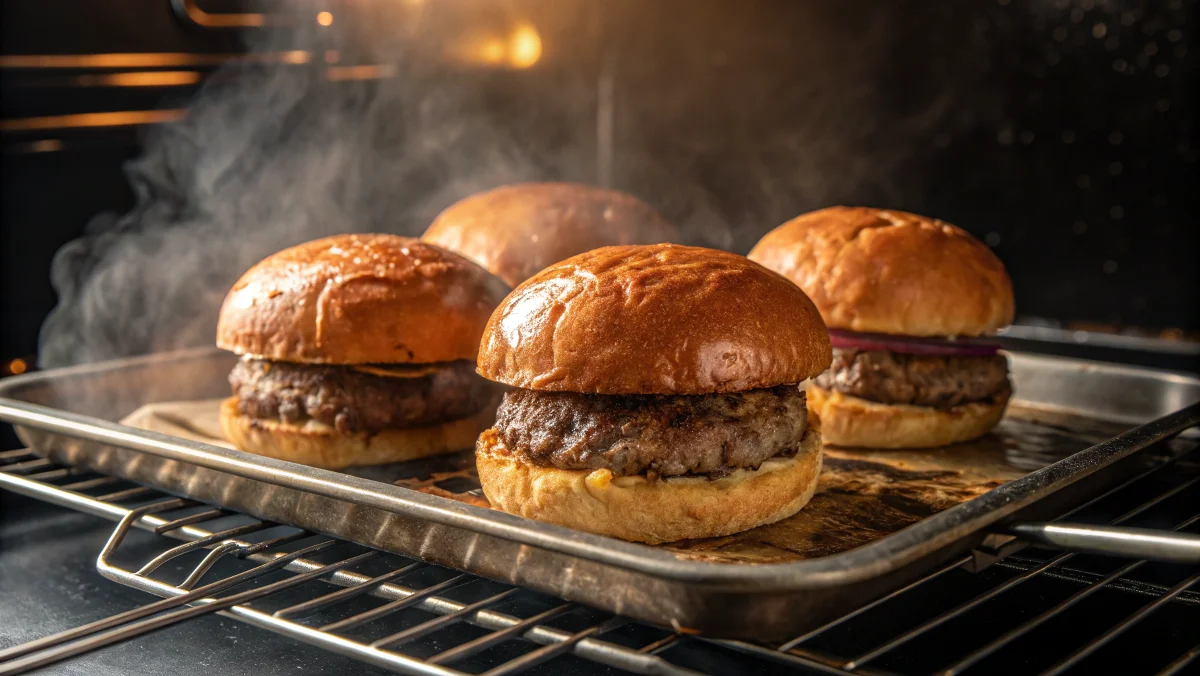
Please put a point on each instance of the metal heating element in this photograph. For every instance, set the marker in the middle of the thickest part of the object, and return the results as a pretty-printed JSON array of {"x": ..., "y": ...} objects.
[{"x": 1038, "y": 610}]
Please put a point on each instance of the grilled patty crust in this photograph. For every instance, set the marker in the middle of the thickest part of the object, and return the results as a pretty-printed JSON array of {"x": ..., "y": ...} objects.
[
  {"x": 710, "y": 434},
  {"x": 921, "y": 380},
  {"x": 354, "y": 401}
]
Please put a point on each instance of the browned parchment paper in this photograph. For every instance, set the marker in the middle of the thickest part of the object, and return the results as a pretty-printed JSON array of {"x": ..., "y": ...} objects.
[{"x": 862, "y": 495}]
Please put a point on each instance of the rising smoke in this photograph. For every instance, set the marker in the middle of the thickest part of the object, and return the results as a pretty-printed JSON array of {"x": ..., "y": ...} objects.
[{"x": 270, "y": 157}]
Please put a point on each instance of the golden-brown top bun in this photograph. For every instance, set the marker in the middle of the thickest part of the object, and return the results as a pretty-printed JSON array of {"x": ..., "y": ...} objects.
[
  {"x": 880, "y": 271},
  {"x": 516, "y": 230},
  {"x": 656, "y": 319},
  {"x": 360, "y": 299}
]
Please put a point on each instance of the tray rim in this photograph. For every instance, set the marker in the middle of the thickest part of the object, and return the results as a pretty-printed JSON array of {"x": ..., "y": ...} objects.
[{"x": 867, "y": 561}]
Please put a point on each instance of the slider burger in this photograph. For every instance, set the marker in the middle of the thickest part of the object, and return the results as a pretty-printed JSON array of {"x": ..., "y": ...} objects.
[
  {"x": 656, "y": 396},
  {"x": 358, "y": 350},
  {"x": 516, "y": 230},
  {"x": 905, "y": 298}
]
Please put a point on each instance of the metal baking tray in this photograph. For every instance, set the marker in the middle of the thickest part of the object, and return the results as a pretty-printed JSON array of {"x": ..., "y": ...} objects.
[{"x": 1069, "y": 413}]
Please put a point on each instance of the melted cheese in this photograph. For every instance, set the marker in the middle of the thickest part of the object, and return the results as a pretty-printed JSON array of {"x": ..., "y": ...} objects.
[{"x": 398, "y": 370}]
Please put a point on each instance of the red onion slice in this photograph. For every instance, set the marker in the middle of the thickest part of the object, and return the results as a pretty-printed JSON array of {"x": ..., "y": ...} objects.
[{"x": 969, "y": 347}]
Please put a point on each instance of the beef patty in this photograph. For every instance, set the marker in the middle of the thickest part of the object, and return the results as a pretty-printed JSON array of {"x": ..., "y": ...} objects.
[
  {"x": 708, "y": 434},
  {"x": 922, "y": 380},
  {"x": 354, "y": 401}
]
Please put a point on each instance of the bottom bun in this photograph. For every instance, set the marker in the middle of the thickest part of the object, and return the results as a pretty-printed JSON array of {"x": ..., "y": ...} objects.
[
  {"x": 635, "y": 508},
  {"x": 319, "y": 445},
  {"x": 850, "y": 421}
]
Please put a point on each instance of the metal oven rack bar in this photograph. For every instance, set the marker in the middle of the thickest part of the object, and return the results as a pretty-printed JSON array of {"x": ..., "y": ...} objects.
[{"x": 300, "y": 585}]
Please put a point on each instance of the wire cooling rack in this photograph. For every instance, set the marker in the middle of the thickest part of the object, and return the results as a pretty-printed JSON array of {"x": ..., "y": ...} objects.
[{"x": 1040, "y": 611}]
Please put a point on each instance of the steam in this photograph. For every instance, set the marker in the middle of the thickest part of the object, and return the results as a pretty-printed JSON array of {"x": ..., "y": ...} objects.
[{"x": 271, "y": 157}]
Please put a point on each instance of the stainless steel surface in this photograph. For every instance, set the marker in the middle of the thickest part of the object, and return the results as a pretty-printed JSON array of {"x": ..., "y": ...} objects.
[
  {"x": 1052, "y": 334},
  {"x": 419, "y": 644},
  {"x": 769, "y": 600},
  {"x": 1142, "y": 543}
]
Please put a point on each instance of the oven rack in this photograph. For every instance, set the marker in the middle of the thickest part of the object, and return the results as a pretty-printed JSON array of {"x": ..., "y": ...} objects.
[{"x": 417, "y": 618}]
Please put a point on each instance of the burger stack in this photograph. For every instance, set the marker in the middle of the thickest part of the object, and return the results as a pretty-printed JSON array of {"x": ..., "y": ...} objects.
[
  {"x": 907, "y": 300},
  {"x": 358, "y": 350},
  {"x": 656, "y": 395}
]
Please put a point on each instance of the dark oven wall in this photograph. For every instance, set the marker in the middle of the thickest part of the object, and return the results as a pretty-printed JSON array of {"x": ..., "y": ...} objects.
[
  {"x": 1059, "y": 132},
  {"x": 81, "y": 83}
]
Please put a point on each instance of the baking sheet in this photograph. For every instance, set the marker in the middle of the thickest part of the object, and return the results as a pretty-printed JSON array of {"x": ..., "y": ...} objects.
[
  {"x": 841, "y": 552},
  {"x": 862, "y": 495}
]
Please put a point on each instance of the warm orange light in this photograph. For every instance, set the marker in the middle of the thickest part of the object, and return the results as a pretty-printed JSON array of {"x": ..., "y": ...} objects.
[
  {"x": 296, "y": 56},
  {"x": 149, "y": 78},
  {"x": 46, "y": 145},
  {"x": 491, "y": 51},
  {"x": 145, "y": 59},
  {"x": 525, "y": 47},
  {"x": 325, "y": 18},
  {"x": 222, "y": 19},
  {"x": 522, "y": 48},
  {"x": 369, "y": 71},
  {"x": 18, "y": 366},
  {"x": 124, "y": 118}
]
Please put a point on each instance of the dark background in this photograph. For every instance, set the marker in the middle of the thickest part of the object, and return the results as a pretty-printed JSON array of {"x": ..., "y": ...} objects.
[{"x": 1061, "y": 133}]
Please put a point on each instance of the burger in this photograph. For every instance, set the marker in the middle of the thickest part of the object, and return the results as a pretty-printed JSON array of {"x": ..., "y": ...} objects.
[
  {"x": 516, "y": 230},
  {"x": 655, "y": 395},
  {"x": 907, "y": 300},
  {"x": 358, "y": 350}
]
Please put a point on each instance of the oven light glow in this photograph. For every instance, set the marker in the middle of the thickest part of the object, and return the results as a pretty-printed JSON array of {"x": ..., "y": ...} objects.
[
  {"x": 366, "y": 71},
  {"x": 492, "y": 52},
  {"x": 149, "y": 78},
  {"x": 46, "y": 145},
  {"x": 522, "y": 48},
  {"x": 525, "y": 47}
]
